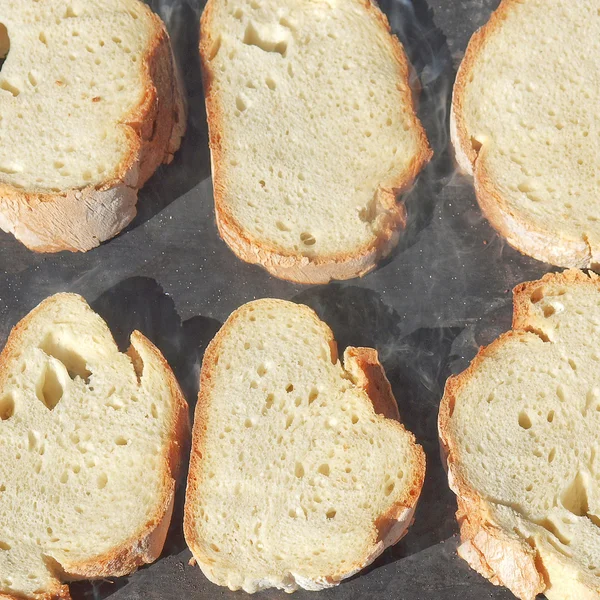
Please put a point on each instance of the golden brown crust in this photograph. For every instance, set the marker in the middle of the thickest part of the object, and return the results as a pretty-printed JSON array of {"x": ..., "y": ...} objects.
[
  {"x": 294, "y": 266},
  {"x": 516, "y": 227},
  {"x": 392, "y": 526},
  {"x": 367, "y": 373},
  {"x": 80, "y": 219},
  {"x": 504, "y": 559},
  {"x": 146, "y": 544},
  {"x": 60, "y": 592}
]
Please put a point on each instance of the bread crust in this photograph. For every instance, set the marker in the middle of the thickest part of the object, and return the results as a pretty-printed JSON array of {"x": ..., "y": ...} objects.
[
  {"x": 146, "y": 544},
  {"x": 295, "y": 266},
  {"x": 368, "y": 374},
  {"x": 516, "y": 227},
  {"x": 80, "y": 219},
  {"x": 503, "y": 557}
]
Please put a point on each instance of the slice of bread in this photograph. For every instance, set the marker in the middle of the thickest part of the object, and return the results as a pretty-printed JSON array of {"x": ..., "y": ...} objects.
[
  {"x": 525, "y": 123},
  {"x": 299, "y": 474},
  {"x": 89, "y": 451},
  {"x": 313, "y": 132},
  {"x": 520, "y": 431},
  {"x": 90, "y": 106}
]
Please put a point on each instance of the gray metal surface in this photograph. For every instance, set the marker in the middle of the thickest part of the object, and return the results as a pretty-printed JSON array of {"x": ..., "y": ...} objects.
[{"x": 445, "y": 291}]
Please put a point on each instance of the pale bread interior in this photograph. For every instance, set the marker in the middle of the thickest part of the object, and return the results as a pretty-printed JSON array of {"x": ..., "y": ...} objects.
[
  {"x": 73, "y": 74},
  {"x": 524, "y": 432},
  {"x": 83, "y": 444},
  {"x": 292, "y": 471},
  {"x": 315, "y": 117},
  {"x": 530, "y": 109}
]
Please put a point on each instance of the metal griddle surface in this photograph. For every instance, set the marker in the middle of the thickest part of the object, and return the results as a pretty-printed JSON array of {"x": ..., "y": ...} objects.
[{"x": 444, "y": 292}]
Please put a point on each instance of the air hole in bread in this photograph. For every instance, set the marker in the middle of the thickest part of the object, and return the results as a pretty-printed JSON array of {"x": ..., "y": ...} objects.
[
  {"x": 269, "y": 401},
  {"x": 575, "y": 498},
  {"x": 287, "y": 23},
  {"x": 59, "y": 349},
  {"x": 115, "y": 404},
  {"x": 5, "y": 546},
  {"x": 308, "y": 239},
  {"x": 7, "y": 407},
  {"x": 214, "y": 48},
  {"x": 49, "y": 389},
  {"x": 524, "y": 420},
  {"x": 324, "y": 470},
  {"x": 330, "y": 514},
  {"x": 314, "y": 393},
  {"x": 102, "y": 480},
  {"x": 10, "y": 169},
  {"x": 33, "y": 439},
  {"x": 4, "y": 44},
  {"x": 9, "y": 87},
  {"x": 268, "y": 38},
  {"x": 538, "y": 294},
  {"x": 71, "y": 13},
  {"x": 552, "y": 528}
]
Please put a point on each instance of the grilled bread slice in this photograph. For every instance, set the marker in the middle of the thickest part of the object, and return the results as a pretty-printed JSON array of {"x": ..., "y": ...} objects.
[
  {"x": 313, "y": 131},
  {"x": 520, "y": 431},
  {"x": 91, "y": 105},
  {"x": 525, "y": 124},
  {"x": 89, "y": 451},
  {"x": 300, "y": 473}
]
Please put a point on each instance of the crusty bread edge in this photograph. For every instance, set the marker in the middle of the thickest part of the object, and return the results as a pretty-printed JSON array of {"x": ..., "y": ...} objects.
[
  {"x": 295, "y": 266},
  {"x": 505, "y": 559},
  {"x": 145, "y": 545},
  {"x": 80, "y": 219},
  {"x": 391, "y": 526},
  {"x": 519, "y": 231}
]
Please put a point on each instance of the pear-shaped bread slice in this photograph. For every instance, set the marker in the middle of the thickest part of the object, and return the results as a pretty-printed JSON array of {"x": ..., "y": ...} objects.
[
  {"x": 90, "y": 445},
  {"x": 520, "y": 431},
  {"x": 90, "y": 106},
  {"x": 313, "y": 132},
  {"x": 300, "y": 473},
  {"x": 525, "y": 123}
]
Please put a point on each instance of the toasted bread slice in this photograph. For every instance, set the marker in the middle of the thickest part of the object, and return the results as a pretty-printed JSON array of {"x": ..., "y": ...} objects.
[
  {"x": 519, "y": 429},
  {"x": 297, "y": 479},
  {"x": 313, "y": 132},
  {"x": 91, "y": 105},
  {"x": 524, "y": 122},
  {"x": 89, "y": 451}
]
